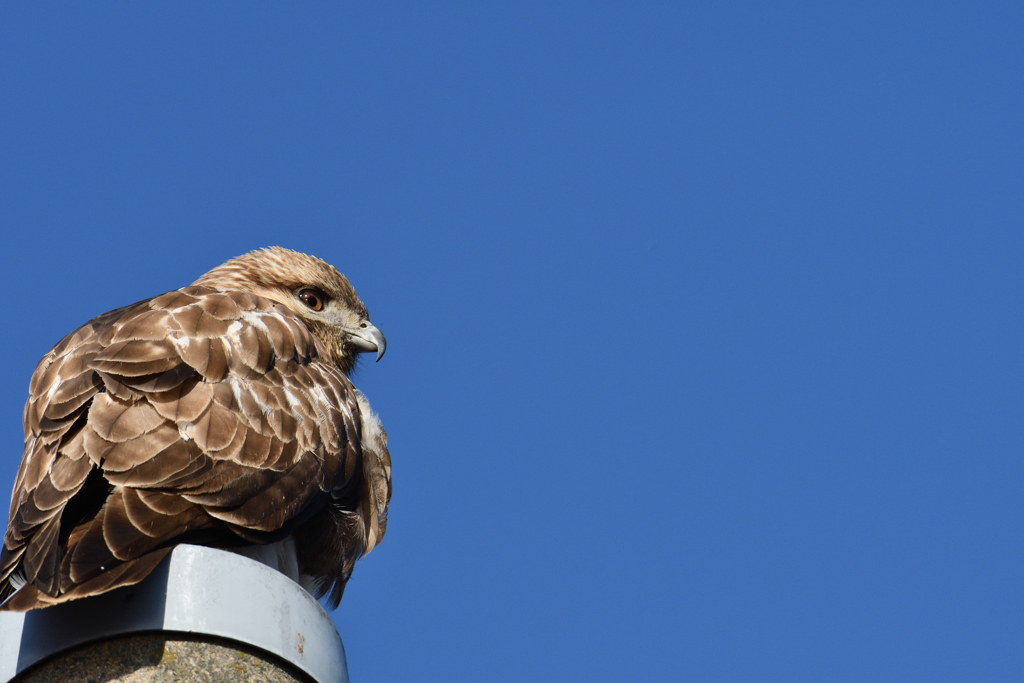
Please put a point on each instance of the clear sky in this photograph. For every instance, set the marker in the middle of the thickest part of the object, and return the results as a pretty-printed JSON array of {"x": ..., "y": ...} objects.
[{"x": 704, "y": 321}]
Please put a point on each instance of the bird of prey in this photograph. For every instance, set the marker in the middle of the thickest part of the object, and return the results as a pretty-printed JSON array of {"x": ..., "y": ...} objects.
[{"x": 219, "y": 414}]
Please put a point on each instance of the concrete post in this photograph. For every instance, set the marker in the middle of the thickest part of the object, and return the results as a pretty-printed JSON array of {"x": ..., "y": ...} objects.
[{"x": 203, "y": 615}]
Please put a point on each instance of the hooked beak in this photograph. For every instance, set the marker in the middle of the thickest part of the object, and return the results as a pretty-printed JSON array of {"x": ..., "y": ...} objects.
[{"x": 367, "y": 338}]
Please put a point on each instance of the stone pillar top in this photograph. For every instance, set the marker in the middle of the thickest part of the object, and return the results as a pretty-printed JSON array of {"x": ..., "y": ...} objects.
[{"x": 195, "y": 590}]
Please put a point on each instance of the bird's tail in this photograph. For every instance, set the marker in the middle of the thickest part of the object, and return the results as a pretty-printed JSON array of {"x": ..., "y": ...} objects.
[{"x": 131, "y": 572}]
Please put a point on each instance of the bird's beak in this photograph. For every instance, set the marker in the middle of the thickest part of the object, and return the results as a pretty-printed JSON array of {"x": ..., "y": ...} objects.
[{"x": 367, "y": 338}]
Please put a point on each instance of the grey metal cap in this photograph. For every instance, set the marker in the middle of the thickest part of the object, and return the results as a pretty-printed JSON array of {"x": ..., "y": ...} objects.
[{"x": 195, "y": 590}]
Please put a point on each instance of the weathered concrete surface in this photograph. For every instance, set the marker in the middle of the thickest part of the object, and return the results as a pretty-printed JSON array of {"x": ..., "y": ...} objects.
[{"x": 162, "y": 658}]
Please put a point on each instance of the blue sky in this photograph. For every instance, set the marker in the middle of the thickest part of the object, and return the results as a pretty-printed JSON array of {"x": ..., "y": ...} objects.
[{"x": 704, "y": 321}]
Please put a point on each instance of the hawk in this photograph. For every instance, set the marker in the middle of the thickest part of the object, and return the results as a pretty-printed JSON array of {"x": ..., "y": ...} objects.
[{"x": 219, "y": 414}]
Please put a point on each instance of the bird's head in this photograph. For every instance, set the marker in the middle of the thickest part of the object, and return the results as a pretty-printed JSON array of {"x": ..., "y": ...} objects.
[{"x": 313, "y": 290}]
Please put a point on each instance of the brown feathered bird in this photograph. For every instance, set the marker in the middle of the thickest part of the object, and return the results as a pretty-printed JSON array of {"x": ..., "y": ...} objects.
[{"x": 219, "y": 414}]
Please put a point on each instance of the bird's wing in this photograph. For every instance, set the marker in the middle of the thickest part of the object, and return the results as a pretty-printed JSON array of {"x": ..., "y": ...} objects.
[{"x": 197, "y": 415}]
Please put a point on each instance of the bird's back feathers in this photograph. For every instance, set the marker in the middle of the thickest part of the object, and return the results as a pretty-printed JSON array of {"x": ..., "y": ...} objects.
[{"x": 198, "y": 416}]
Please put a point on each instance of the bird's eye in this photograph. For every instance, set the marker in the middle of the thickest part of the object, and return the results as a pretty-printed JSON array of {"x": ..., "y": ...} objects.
[{"x": 312, "y": 298}]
